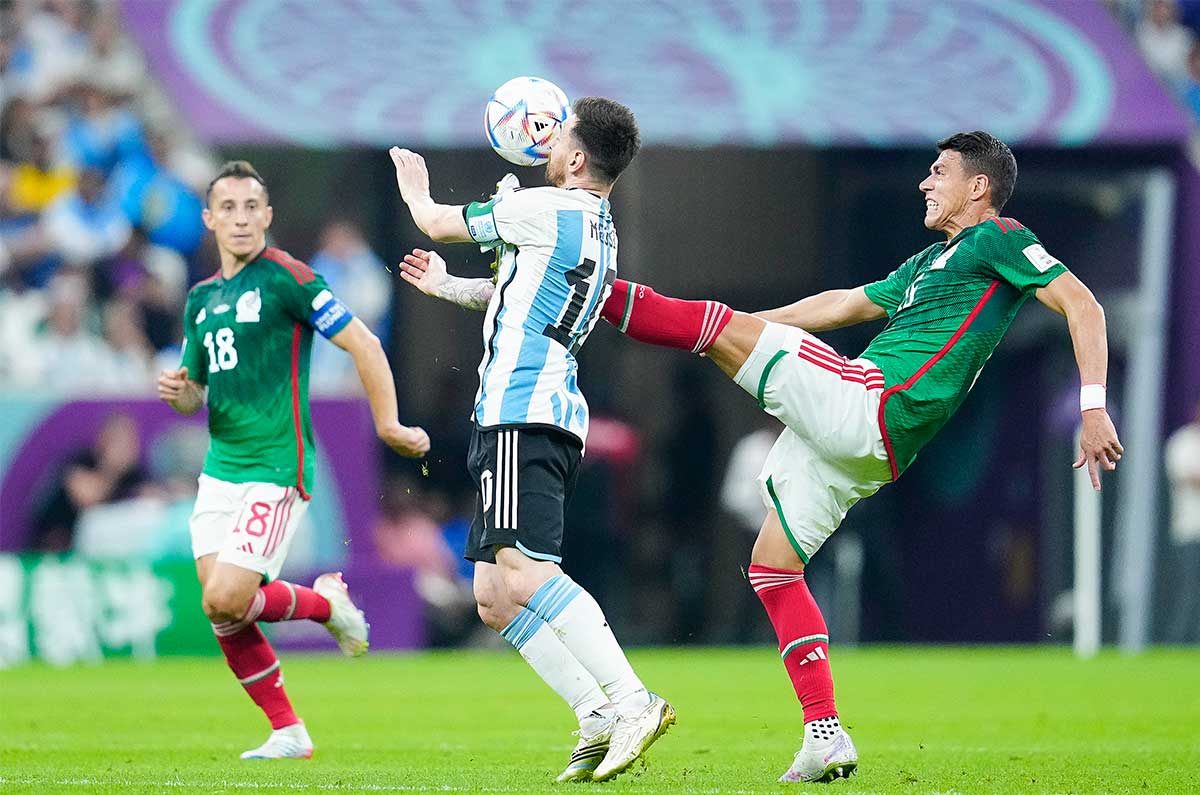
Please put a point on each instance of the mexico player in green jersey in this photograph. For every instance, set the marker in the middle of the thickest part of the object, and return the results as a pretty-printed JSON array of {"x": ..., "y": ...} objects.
[
  {"x": 248, "y": 331},
  {"x": 853, "y": 425}
]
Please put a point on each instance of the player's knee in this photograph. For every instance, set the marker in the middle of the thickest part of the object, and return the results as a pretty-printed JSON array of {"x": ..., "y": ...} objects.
[
  {"x": 490, "y": 615},
  {"x": 224, "y": 604},
  {"x": 521, "y": 584}
]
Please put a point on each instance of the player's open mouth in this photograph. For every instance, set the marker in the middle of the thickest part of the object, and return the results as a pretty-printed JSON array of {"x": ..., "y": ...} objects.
[{"x": 930, "y": 205}]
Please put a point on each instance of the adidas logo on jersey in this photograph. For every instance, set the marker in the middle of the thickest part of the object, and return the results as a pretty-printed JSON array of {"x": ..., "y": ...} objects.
[{"x": 814, "y": 655}]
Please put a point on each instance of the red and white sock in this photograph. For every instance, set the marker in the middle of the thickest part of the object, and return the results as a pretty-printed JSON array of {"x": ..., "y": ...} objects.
[
  {"x": 256, "y": 667},
  {"x": 284, "y": 601},
  {"x": 803, "y": 637},
  {"x": 639, "y": 312}
]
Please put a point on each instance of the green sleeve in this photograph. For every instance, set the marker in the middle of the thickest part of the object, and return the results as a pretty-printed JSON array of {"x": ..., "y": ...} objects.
[
  {"x": 193, "y": 355},
  {"x": 1018, "y": 258},
  {"x": 887, "y": 293}
]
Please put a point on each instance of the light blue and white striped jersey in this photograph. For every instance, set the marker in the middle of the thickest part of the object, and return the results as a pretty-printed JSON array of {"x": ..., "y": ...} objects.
[{"x": 548, "y": 298}]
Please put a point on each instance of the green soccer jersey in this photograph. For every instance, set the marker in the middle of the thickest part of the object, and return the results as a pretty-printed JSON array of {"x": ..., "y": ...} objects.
[
  {"x": 248, "y": 339},
  {"x": 948, "y": 308}
]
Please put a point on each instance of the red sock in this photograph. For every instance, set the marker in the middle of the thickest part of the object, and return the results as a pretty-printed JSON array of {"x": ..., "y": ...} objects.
[
  {"x": 285, "y": 601},
  {"x": 803, "y": 638},
  {"x": 254, "y": 663},
  {"x": 639, "y": 312}
]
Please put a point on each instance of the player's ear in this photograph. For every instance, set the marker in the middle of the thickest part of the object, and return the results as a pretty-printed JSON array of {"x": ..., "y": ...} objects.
[
  {"x": 207, "y": 216},
  {"x": 980, "y": 185},
  {"x": 270, "y": 214}
]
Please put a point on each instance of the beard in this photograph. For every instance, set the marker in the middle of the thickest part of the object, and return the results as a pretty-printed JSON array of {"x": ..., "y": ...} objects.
[{"x": 555, "y": 176}]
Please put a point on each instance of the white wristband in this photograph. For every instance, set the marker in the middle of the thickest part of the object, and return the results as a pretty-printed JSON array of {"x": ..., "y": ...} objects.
[{"x": 1091, "y": 396}]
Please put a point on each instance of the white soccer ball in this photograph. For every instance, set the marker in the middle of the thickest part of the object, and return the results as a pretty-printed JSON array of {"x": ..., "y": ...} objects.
[{"x": 523, "y": 118}]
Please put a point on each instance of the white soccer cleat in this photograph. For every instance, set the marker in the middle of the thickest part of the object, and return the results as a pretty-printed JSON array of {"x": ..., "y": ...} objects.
[
  {"x": 588, "y": 752},
  {"x": 632, "y": 736},
  {"x": 346, "y": 622},
  {"x": 823, "y": 760},
  {"x": 290, "y": 742}
]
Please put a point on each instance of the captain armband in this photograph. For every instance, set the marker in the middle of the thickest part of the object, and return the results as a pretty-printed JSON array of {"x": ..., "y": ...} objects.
[{"x": 329, "y": 315}]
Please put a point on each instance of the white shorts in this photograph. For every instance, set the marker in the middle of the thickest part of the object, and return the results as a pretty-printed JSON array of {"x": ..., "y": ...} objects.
[
  {"x": 247, "y": 524},
  {"x": 831, "y": 454}
]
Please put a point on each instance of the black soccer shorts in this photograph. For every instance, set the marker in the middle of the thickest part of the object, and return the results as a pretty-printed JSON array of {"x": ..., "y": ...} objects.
[{"x": 525, "y": 477}]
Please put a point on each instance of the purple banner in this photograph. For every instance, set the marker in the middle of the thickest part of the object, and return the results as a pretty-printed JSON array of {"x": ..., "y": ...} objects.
[
  {"x": 704, "y": 72},
  {"x": 344, "y": 431}
]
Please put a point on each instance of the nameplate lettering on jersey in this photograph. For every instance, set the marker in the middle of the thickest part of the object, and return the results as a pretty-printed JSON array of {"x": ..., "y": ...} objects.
[
  {"x": 329, "y": 314},
  {"x": 249, "y": 307},
  {"x": 943, "y": 258},
  {"x": 1039, "y": 257},
  {"x": 606, "y": 236}
]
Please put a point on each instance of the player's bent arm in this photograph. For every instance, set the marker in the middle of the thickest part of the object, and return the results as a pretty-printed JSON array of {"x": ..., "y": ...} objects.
[
  {"x": 1099, "y": 447},
  {"x": 426, "y": 271},
  {"x": 1071, "y": 298},
  {"x": 191, "y": 398},
  {"x": 443, "y": 223},
  {"x": 179, "y": 392},
  {"x": 828, "y": 310},
  {"x": 376, "y": 376}
]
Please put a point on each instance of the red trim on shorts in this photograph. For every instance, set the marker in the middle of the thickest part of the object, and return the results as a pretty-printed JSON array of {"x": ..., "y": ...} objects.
[
  {"x": 287, "y": 492},
  {"x": 283, "y": 515},
  {"x": 871, "y": 378},
  {"x": 296, "y": 411},
  {"x": 950, "y": 343},
  {"x": 300, "y": 272}
]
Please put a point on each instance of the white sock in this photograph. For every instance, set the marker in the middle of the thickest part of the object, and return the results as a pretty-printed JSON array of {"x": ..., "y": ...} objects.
[
  {"x": 552, "y": 661},
  {"x": 822, "y": 730},
  {"x": 579, "y": 622}
]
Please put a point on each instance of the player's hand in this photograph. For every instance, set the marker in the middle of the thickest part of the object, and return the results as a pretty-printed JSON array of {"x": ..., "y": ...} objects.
[
  {"x": 409, "y": 442},
  {"x": 172, "y": 384},
  {"x": 412, "y": 176},
  {"x": 1099, "y": 447},
  {"x": 424, "y": 270}
]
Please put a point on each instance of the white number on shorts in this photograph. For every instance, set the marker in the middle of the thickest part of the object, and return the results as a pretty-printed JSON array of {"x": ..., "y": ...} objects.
[
  {"x": 222, "y": 355},
  {"x": 485, "y": 486}
]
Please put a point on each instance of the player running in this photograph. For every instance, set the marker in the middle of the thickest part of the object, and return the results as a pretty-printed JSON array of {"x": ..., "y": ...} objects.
[
  {"x": 531, "y": 419},
  {"x": 248, "y": 332},
  {"x": 853, "y": 425}
]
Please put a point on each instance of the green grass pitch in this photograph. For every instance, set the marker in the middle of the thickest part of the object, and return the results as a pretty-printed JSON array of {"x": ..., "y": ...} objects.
[{"x": 926, "y": 720}]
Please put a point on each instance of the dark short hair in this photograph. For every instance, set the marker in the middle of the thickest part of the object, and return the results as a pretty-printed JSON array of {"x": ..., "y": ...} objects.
[
  {"x": 984, "y": 153},
  {"x": 609, "y": 135},
  {"x": 238, "y": 169}
]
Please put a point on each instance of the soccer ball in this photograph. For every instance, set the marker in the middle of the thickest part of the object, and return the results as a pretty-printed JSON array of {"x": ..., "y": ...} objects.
[{"x": 523, "y": 118}]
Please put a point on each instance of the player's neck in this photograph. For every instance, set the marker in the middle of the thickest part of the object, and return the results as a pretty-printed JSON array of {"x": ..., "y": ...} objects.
[
  {"x": 956, "y": 225},
  {"x": 588, "y": 184},
  {"x": 232, "y": 264}
]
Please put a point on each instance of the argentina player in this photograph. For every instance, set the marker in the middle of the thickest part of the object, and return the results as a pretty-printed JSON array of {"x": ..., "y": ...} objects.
[{"x": 557, "y": 265}]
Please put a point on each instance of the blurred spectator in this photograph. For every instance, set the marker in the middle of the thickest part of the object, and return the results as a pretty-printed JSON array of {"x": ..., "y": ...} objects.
[
  {"x": 409, "y": 535},
  {"x": 101, "y": 133},
  {"x": 50, "y": 46},
  {"x": 358, "y": 276},
  {"x": 1164, "y": 42},
  {"x": 86, "y": 226},
  {"x": 1183, "y": 472},
  {"x": 107, "y": 471},
  {"x": 1189, "y": 89},
  {"x": 37, "y": 180},
  {"x": 158, "y": 203},
  {"x": 130, "y": 362},
  {"x": 741, "y": 500}
]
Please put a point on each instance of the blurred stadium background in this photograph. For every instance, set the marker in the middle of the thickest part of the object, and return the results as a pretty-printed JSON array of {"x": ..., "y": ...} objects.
[{"x": 783, "y": 146}]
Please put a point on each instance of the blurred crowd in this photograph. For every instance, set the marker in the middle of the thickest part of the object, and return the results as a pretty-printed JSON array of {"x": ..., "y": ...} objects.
[
  {"x": 101, "y": 192},
  {"x": 1168, "y": 35}
]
